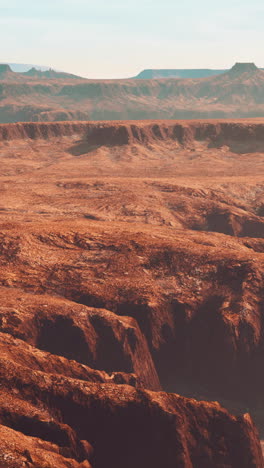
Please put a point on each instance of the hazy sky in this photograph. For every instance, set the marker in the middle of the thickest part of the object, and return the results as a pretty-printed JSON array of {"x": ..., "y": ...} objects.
[{"x": 119, "y": 38}]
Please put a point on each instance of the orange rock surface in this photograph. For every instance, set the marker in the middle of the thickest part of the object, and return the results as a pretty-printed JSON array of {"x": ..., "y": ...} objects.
[{"x": 131, "y": 262}]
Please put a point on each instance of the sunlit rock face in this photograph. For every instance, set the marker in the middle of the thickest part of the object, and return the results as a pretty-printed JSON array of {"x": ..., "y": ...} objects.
[{"x": 131, "y": 292}]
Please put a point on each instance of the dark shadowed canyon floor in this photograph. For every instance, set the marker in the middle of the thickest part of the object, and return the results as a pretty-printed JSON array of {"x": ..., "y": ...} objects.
[{"x": 132, "y": 264}]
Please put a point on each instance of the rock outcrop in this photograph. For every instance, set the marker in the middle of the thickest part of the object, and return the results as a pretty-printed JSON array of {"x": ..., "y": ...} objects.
[
  {"x": 240, "y": 136},
  {"x": 99, "y": 424},
  {"x": 131, "y": 261},
  {"x": 5, "y": 68}
]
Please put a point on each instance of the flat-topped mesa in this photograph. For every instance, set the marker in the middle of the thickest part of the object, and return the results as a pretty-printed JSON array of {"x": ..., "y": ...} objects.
[
  {"x": 149, "y": 74},
  {"x": 244, "y": 67},
  {"x": 5, "y": 68}
]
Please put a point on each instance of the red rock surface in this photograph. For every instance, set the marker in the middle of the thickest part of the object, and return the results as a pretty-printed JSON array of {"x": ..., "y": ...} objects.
[
  {"x": 93, "y": 337},
  {"x": 123, "y": 425},
  {"x": 131, "y": 259}
]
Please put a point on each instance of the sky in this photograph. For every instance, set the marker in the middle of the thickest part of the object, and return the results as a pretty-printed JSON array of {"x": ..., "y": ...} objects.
[{"x": 119, "y": 38}]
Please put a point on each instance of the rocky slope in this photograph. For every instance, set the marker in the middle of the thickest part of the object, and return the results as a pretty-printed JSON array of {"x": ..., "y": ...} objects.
[
  {"x": 131, "y": 261},
  {"x": 52, "y": 420},
  {"x": 245, "y": 136},
  {"x": 51, "y": 96}
]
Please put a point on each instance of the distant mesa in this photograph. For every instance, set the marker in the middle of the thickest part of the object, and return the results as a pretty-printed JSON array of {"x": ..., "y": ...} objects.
[
  {"x": 193, "y": 73},
  {"x": 147, "y": 74},
  {"x": 244, "y": 67},
  {"x": 4, "y": 68},
  {"x": 156, "y": 74},
  {"x": 52, "y": 95}
]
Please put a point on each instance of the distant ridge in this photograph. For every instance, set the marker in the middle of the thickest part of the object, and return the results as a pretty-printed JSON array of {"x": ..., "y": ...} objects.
[
  {"x": 49, "y": 74},
  {"x": 7, "y": 72},
  {"x": 156, "y": 74},
  {"x": 151, "y": 74},
  {"x": 146, "y": 74},
  {"x": 56, "y": 96},
  {"x": 24, "y": 67}
]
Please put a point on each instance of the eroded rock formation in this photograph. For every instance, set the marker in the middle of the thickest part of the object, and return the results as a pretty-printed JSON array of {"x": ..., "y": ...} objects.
[{"x": 126, "y": 270}]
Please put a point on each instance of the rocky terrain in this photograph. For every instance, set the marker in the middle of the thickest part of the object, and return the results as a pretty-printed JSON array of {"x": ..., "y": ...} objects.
[
  {"x": 131, "y": 287},
  {"x": 54, "y": 96}
]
